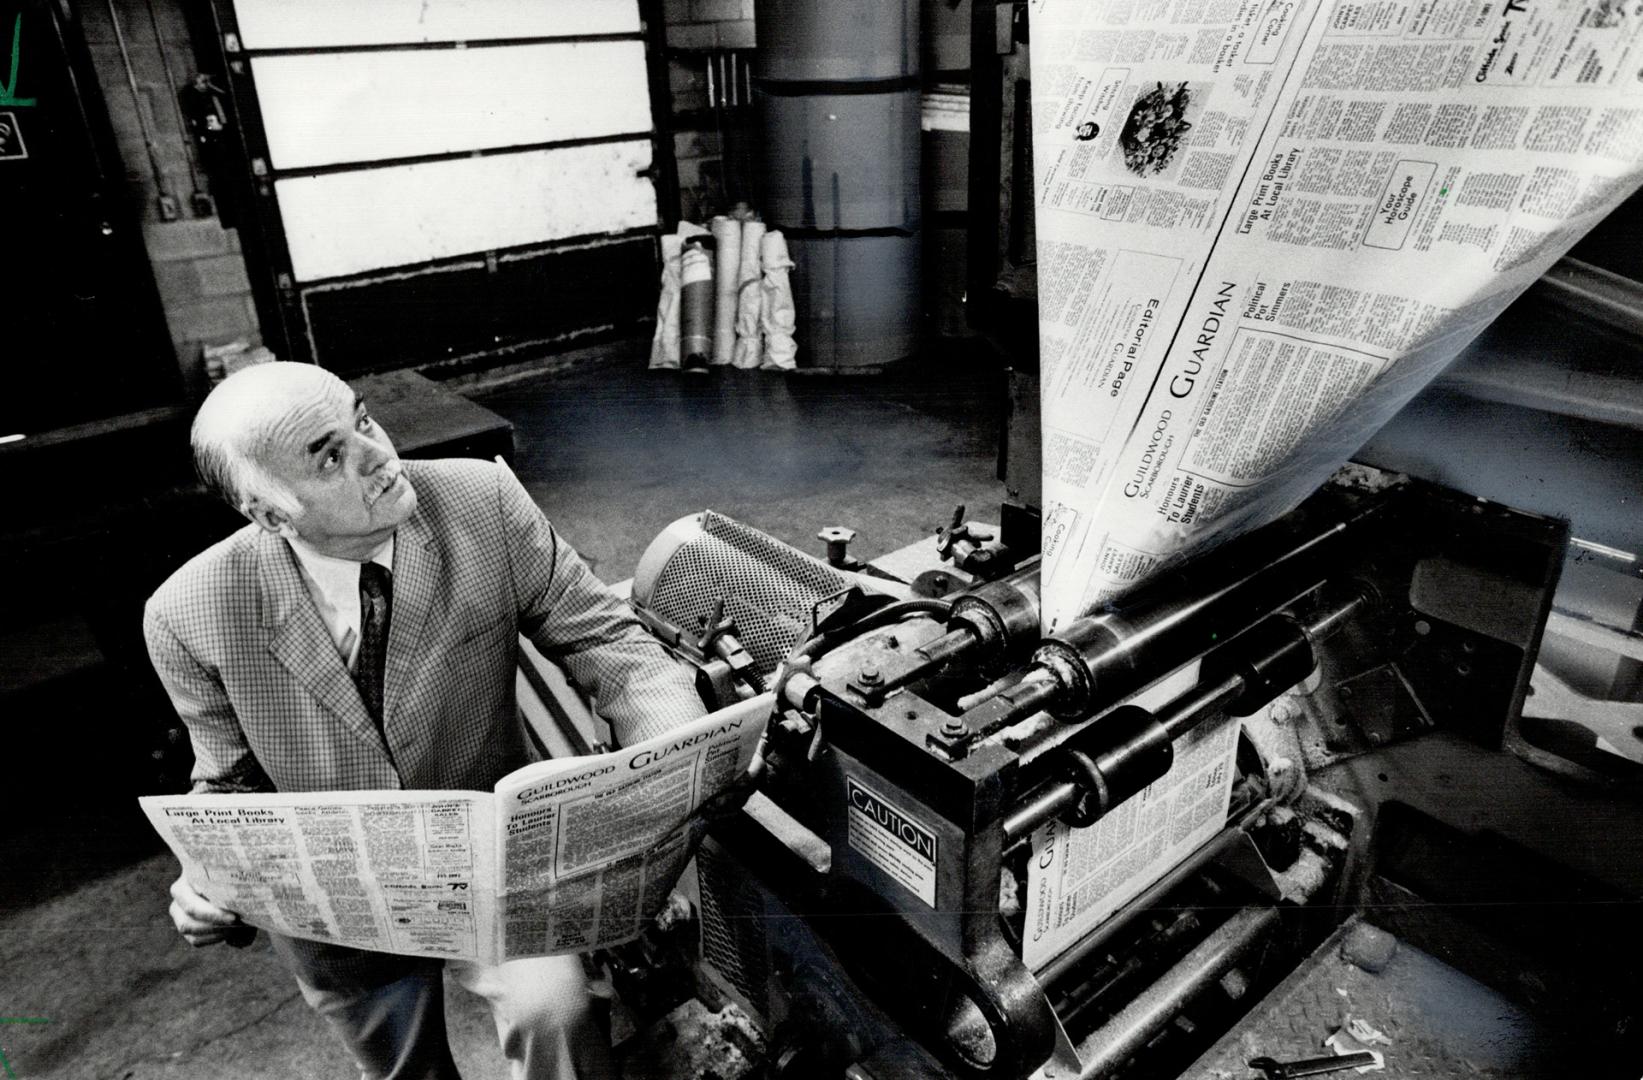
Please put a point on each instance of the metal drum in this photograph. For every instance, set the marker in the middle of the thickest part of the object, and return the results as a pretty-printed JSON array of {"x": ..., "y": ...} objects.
[
  {"x": 857, "y": 297},
  {"x": 841, "y": 161},
  {"x": 838, "y": 99},
  {"x": 837, "y": 40}
]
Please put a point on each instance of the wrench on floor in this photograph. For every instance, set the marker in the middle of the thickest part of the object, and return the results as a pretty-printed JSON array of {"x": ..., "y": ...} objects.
[{"x": 1289, "y": 1070}]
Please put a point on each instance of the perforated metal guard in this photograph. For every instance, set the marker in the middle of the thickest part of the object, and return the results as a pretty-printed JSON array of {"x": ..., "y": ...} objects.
[
  {"x": 732, "y": 926},
  {"x": 769, "y": 589}
]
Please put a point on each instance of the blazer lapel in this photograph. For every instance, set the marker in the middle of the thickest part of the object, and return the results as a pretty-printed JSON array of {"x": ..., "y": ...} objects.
[
  {"x": 418, "y": 570},
  {"x": 299, "y": 641}
]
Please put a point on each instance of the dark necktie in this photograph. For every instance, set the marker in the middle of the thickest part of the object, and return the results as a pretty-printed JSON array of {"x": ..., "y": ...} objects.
[{"x": 376, "y": 597}]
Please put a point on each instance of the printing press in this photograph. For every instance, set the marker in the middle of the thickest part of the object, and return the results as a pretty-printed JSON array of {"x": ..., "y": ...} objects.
[
  {"x": 1311, "y": 801},
  {"x": 1357, "y": 671}
]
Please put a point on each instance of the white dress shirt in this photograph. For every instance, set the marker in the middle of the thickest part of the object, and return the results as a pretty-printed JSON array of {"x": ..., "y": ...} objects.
[{"x": 334, "y": 585}]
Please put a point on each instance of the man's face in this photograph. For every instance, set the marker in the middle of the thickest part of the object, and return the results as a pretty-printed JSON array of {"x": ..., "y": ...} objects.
[{"x": 340, "y": 468}]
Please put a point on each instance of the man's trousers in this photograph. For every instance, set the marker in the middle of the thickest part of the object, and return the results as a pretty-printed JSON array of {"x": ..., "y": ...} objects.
[{"x": 390, "y": 1011}]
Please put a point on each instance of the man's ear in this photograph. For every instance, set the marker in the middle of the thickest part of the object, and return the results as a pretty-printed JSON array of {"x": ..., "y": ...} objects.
[{"x": 270, "y": 517}]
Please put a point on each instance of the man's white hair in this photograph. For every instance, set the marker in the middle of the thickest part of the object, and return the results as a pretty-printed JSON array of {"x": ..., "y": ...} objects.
[{"x": 231, "y": 428}]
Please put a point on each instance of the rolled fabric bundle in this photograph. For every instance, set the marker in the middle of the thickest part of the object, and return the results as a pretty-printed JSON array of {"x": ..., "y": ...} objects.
[
  {"x": 749, "y": 297},
  {"x": 727, "y": 238},
  {"x": 696, "y": 306},
  {"x": 664, "y": 344},
  {"x": 777, "y": 317}
]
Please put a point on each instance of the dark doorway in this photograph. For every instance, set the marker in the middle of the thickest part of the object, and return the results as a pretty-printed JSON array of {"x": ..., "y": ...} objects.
[{"x": 82, "y": 333}]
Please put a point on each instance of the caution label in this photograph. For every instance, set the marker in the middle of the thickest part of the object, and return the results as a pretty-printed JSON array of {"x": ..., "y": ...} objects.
[{"x": 891, "y": 840}]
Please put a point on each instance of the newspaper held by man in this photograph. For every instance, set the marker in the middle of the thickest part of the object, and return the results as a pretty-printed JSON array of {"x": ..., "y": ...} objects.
[
  {"x": 1264, "y": 225},
  {"x": 563, "y": 856}
]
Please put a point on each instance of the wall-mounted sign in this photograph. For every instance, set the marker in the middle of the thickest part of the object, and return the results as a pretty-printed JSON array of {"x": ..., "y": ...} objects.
[{"x": 11, "y": 138}]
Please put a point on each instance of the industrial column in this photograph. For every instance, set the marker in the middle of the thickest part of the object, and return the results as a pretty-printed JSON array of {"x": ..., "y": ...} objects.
[{"x": 838, "y": 99}]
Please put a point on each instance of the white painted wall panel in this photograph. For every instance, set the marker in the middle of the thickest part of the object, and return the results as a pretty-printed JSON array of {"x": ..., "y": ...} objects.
[
  {"x": 333, "y": 108},
  {"x": 368, "y": 219},
  {"x": 312, "y": 24}
]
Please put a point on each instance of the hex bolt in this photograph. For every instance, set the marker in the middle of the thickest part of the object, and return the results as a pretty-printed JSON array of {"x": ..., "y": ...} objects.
[
  {"x": 954, "y": 728},
  {"x": 869, "y": 675}
]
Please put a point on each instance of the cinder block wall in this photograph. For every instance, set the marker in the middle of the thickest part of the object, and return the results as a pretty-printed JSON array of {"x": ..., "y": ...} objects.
[
  {"x": 197, "y": 263},
  {"x": 698, "y": 32},
  {"x": 709, "y": 24}
]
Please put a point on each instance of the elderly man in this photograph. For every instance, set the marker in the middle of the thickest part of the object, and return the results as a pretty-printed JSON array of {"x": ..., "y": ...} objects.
[{"x": 362, "y": 632}]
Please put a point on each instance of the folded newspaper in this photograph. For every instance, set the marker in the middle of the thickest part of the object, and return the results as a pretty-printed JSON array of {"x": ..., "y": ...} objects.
[
  {"x": 564, "y": 856},
  {"x": 1264, "y": 225}
]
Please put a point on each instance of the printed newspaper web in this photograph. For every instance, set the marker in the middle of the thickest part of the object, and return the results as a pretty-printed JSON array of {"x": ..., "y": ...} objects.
[{"x": 1262, "y": 228}]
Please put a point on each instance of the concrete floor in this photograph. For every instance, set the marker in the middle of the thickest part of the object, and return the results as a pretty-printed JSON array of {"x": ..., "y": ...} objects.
[
  {"x": 614, "y": 457},
  {"x": 613, "y": 453}
]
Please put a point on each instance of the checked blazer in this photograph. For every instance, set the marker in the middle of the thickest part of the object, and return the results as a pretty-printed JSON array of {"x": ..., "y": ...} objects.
[{"x": 269, "y": 703}]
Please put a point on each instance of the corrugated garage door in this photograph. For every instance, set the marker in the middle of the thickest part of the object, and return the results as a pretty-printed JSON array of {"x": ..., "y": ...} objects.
[{"x": 438, "y": 179}]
